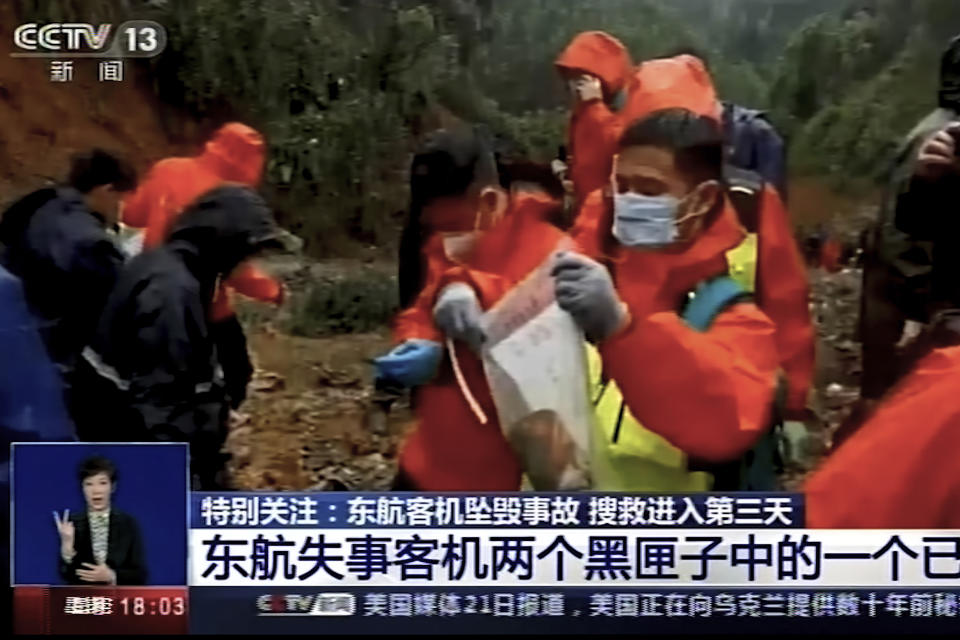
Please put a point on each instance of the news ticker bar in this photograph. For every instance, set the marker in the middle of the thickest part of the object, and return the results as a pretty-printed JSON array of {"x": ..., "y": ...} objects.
[
  {"x": 431, "y": 611},
  {"x": 576, "y": 557},
  {"x": 570, "y": 610},
  {"x": 336, "y": 510}
]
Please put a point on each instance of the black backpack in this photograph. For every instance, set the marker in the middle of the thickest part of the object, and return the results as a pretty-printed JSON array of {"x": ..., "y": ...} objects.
[
  {"x": 745, "y": 190},
  {"x": 16, "y": 216}
]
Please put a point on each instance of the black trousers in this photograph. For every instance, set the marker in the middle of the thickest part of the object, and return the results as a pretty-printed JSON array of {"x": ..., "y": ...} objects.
[{"x": 231, "y": 345}]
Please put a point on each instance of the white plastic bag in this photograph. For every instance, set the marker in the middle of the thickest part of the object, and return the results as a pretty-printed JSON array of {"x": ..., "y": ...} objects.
[{"x": 536, "y": 367}]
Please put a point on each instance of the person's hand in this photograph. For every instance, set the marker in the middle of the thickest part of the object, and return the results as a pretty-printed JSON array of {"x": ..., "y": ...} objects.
[
  {"x": 585, "y": 290},
  {"x": 938, "y": 154},
  {"x": 457, "y": 313},
  {"x": 411, "y": 363},
  {"x": 587, "y": 88},
  {"x": 66, "y": 530},
  {"x": 97, "y": 573}
]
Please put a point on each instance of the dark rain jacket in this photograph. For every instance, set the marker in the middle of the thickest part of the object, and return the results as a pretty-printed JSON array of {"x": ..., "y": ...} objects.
[
  {"x": 67, "y": 263},
  {"x": 31, "y": 401},
  {"x": 152, "y": 371},
  {"x": 912, "y": 258},
  {"x": 753, "y": 144}
]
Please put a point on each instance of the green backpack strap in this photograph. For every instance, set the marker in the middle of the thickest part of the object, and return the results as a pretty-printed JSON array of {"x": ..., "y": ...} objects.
[
  {"x": 756, "y": 470},
  {"x": 710, "y": 298}
]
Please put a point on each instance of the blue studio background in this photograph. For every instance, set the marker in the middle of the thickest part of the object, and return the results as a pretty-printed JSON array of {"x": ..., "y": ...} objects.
[{"x": 151, "y": 487}]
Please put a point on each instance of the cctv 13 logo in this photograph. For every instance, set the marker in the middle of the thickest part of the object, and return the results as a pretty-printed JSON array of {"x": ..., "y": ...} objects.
[{"x": 134, "y": 38}]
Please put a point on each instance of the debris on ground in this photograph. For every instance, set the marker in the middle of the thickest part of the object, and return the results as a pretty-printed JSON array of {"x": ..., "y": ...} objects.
[{"x": 835, "y": 309}]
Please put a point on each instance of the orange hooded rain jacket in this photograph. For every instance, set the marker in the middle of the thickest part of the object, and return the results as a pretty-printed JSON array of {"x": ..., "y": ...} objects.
[
  {"x": 594, "y": 129},
  {"x": 235, "y": 153},
  {"x": 782, "y": 287},
  {"x": 709, "y": 394},
  {"x": 450, "y": 449}
]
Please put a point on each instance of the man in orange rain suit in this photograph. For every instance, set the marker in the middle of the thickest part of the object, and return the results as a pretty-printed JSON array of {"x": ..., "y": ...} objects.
[
  {"x": 472, "y": 262},
  {"x": 599, "y": 74},
  {"x": 780, "y": 281},
  {"x": 235, "y": 153},
  {"x": 899, "y": 470},
  {"x": 691, "y": 403}
]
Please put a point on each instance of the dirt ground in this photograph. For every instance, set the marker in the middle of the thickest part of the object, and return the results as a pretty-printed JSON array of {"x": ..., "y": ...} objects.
[
  {"x": 42, "y": 123},
  {"x": 308, "y": 427}
]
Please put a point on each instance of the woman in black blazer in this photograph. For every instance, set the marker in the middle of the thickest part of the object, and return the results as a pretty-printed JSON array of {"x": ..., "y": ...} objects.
[{"x": 101, "y": 545}]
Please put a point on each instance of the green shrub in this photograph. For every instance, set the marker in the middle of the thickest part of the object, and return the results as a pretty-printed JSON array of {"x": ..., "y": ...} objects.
[{"x": 355, "y": 304}]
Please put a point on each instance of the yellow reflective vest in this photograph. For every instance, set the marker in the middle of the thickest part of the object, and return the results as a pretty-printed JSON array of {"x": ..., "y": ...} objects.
[{"x": 628, "y": 457}]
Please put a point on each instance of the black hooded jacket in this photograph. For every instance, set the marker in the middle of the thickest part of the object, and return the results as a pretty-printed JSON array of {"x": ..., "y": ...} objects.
[
  {"x": 912, "y": 257},
  {"x": 152, "y": 370},
  {"x": 67, "y": 263},
  {"x": 950, "y": 77},
  {"x": 925, "y": 210}
]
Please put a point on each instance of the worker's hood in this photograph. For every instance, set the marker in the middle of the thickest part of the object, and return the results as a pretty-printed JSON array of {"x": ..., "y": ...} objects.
[
  {"x": 950, "y": 76},
  {"x": 599, "y": 54},
  {"x": 681, "y": 82},
  {"x": 223, "y": 228},
  {"x": 236, "y": 153}
]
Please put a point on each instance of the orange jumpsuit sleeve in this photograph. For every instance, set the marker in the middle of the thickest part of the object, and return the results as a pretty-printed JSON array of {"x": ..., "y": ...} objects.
[
  {"x": 885, "y": 477},
  {"x": 783, "y": 292},
  {"x": 137, "y": 207},
  {"x": 151, "y": 206},
  {"x": 591, "y": 225},
  {"x": 416, "y": 321},
  {"x": 708, "y": 393},
  {"x": 251, "y": 281},
  {"x": 594, "y": 133}
]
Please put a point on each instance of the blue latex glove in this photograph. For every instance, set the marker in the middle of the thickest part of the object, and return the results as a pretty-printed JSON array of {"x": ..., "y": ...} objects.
[
  {"x": 411, "y": 363},
  {"x": 585, "y": 290},
  {"x": 458, "y": 313}
]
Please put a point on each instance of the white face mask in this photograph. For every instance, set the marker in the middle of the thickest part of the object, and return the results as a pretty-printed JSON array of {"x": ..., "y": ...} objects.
[
  {"x": 644, "y": 221},
  {"x": 459, "y": 245},
  {"x": 647, "y": 222}
]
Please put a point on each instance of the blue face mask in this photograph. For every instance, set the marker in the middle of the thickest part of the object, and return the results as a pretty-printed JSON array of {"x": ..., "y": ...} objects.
[{"x": 645, "y": 221}]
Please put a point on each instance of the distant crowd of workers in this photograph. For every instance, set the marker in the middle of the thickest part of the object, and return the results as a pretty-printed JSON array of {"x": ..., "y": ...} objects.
[{"x": 684, "y": 275}]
